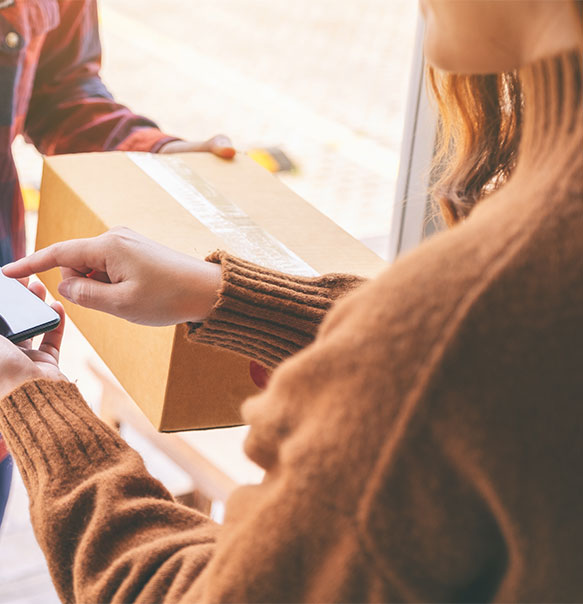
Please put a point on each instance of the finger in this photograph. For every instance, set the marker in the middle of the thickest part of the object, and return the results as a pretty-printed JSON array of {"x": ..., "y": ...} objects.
[
  {"x": 38, "y": 289},
  {"x": 259, "y": 374},
  {"x": 99, "y": 276},
  {"x": 69, "y": 273},
  {"x": 51, "y": 342},
  {"x": 92, "y": 294},
  {"x": 219, "y": 145},
  {"x": 25, "y": 345},
  {"x": 222, "y": 146},
  {"x": 82, "y": 255}
]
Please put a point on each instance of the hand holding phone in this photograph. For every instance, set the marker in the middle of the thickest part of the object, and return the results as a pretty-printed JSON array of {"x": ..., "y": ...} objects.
[
  {"x": 20, "y": 363},
  {"x": 22, "y": 314}
]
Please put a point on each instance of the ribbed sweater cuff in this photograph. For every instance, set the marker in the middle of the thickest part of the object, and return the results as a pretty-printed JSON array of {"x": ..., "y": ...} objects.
[
  {"x": 267, "y": 315},
  {"x": 53, "y": 434}
]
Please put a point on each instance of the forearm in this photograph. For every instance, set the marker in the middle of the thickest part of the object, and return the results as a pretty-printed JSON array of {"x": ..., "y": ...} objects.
[
  {"x": 109, "y": 531},
  {"x": 267, "y": 315},
  {"x": 260, "y": 313},
  {"x": 71, "y": 109},
  {"x": 89, "y": 124}
]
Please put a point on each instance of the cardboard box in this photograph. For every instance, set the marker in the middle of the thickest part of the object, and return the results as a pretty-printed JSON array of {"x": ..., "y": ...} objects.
[{"x": 194, "y": 203}]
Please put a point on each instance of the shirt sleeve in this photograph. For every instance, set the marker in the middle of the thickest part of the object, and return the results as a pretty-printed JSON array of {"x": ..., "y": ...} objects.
[
  {"x": 71, "y": 110},
  {"x": 3, "y": 449}
]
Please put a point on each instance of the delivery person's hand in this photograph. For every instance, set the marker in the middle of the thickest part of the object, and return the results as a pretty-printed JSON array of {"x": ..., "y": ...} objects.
[
  {"x": 220, "y": 145},
  {"x": 130, "y": 276},
  {"x": 20, "y": 363}
]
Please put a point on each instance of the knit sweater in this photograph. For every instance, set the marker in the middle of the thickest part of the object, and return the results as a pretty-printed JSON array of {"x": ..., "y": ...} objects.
[{"x": 425, "y": 447}]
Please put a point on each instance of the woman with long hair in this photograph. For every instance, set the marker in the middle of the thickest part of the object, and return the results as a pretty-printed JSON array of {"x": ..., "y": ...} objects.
[{"x": 420, "y": 432}]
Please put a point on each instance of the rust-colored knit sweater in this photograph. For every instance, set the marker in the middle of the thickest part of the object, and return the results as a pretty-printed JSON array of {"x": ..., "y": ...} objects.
[{"x": 427, "y": 446}]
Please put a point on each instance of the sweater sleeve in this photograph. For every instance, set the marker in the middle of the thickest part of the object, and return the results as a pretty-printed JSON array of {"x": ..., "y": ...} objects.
[
  {"x": 267, "y": 315},
  {"x": 110, "y": 532},
  {"x": 405, "y": 526}
]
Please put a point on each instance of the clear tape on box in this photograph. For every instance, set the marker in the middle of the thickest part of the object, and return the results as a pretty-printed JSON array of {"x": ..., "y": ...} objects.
[{"x": 219, "y": 214}]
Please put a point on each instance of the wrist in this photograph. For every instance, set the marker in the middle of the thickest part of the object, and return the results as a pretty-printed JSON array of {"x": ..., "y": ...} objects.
[
  {"x": 202, "y": 291},
  {"x": 12, "y": 383},
  {"x": 169, "y": 145},
  {"x": 17, "y": 380}
]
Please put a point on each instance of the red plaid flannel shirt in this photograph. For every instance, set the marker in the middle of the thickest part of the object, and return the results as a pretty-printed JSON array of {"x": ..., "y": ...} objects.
[
  {"x": 3, "y": 450},
  {"x": 51, "y": 92}
]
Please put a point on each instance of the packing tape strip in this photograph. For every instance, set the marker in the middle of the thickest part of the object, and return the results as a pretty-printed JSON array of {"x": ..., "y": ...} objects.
[{"x": 219, "y": 214}]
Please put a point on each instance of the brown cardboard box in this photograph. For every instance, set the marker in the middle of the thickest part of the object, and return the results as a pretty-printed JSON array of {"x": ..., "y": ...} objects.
[{"x": 239, "y": 207}]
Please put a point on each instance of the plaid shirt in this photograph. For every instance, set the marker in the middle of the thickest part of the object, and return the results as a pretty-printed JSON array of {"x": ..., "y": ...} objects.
[{"x": 51, "y": 92}]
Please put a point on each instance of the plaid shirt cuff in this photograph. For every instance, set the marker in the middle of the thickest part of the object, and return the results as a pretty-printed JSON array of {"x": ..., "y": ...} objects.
[{"x": 146, "y": 139}]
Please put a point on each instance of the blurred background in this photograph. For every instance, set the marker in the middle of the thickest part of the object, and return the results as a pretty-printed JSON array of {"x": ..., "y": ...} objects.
[{"x": 320, "y": 83}]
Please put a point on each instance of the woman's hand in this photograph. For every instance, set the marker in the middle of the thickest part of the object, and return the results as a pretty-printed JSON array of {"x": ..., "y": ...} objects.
[
  {"x": 22, "y": 363},
  {"x": 129, "y": 276}
]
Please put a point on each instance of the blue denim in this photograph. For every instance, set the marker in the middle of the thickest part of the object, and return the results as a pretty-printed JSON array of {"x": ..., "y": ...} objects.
[{"x": 5, "y": 479}]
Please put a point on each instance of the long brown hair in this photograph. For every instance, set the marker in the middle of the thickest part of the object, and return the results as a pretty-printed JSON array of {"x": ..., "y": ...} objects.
[{"x": 478, "y": 136}]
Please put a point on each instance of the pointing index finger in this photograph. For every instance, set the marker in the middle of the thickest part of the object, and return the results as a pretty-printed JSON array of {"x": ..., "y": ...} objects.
[{"x": 82, "y": 255}]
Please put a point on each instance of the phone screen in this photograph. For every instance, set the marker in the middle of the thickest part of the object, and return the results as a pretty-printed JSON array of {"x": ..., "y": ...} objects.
[{"x": 22, "y": 314}]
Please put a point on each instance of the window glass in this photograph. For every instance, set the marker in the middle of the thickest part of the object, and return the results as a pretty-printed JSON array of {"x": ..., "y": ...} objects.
[{"x": 325, "y": 82}]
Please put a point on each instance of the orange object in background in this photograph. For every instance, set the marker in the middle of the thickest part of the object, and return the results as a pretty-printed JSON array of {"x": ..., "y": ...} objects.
[{"x": 272, "y": 159}]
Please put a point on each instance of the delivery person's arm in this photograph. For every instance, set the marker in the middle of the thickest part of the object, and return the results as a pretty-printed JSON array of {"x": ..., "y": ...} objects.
[
  {"x": 262, "y": 314},
  {"x": 72, "y": 111}
]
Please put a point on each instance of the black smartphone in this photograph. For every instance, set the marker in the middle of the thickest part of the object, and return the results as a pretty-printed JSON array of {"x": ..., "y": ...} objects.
[{"x": 22, "y": 314}]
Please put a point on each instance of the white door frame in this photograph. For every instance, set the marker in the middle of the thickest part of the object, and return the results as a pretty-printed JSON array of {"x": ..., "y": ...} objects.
[{"x": 411, "y": 207}]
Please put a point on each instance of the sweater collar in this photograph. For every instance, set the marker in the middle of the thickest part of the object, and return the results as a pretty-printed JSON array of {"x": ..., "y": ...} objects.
[{"x": 553, "y": 112}]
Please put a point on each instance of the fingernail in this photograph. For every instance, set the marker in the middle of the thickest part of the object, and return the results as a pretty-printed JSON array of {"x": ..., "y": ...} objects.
[
  {"x": 227, "y": 152},
  {"x": 65, "y": 290}
]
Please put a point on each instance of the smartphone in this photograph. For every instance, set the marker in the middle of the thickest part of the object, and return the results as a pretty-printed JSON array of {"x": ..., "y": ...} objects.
[{"x": 22, "y": 314}]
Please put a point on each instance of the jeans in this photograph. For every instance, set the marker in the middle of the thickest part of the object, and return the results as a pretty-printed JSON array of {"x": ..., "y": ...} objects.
[{"x": 5, "y": 478}]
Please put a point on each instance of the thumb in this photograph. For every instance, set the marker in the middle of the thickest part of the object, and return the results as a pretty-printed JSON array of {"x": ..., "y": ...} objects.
[
  {"x": 222, "y": 146},
  {"x": 90, "y": 293}
]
